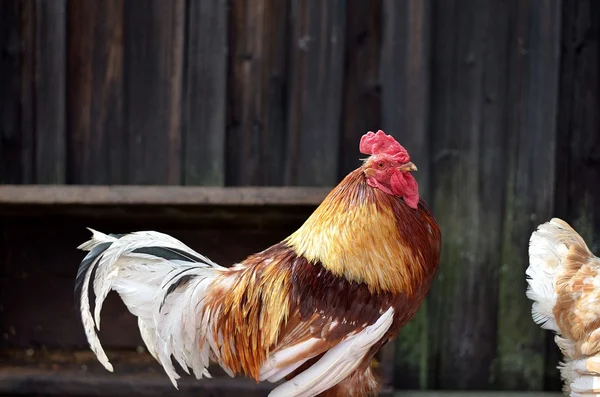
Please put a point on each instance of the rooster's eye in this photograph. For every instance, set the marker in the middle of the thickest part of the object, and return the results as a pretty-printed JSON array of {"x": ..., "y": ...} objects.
[{"x": 380, "y": 165}]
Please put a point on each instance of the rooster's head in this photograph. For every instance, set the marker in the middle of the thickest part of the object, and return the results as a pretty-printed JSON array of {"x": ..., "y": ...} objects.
[{"x": 388, "y": 167}]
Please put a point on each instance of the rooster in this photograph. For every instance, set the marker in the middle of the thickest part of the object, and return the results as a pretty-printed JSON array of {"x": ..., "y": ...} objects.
[
  {"x": 312, "y": 309},
  {"x": 564, "y": 284}
]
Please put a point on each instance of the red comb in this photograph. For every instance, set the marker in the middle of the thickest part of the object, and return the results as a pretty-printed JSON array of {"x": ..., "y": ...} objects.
[{"x": 380, "y": 143}]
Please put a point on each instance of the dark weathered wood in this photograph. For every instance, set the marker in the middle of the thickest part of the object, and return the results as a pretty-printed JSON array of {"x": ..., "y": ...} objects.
[
  {"x": 33, "y": 66},
  {"x": 15, "y": 142},
  {"x": 315, "y": 103},
  {"x": 470, "y": 393},
  {"x": 256, "y": 92},
  {"x": 55, "y": 324},
  {"x": 491, "y": 191},
  {"x": 204, "y": 88},
  {"x": 468, "y": 155},
  {"x": 404, "y": 77},
  {"x": 17, "y": 123},
  {"x": 54, "y": 372},
  {"x": 155, "y": 195},
  {"x": 39, "y": 381},
  {"x": 97, "y": 146},
  {"x": 532, "y": 104},
  {"x": 153, "y": 61},
  {"x": 362, "y": 100},
  {"x": 46, "y": 273},
  {"x": 578, "y": 153},
  {"x": 56, "y": 382},
  {"x": 135, "y": 362},
  {"x": 9, "y": 69},
  {"x": 578, "y": 143},
  {"x": 213, "y": 231},
  {"x": 50, "y": 86},
  {"x": 27, "y": 83}
]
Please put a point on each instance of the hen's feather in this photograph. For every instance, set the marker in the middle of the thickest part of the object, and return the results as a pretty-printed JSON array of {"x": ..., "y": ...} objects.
[{"x": 564, "y": 283}]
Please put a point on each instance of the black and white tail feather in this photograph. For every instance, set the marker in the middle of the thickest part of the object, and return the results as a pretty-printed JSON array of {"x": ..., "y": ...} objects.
[
  {"x": 165, "y": 284},
  {"x": 162, "y": 282}
]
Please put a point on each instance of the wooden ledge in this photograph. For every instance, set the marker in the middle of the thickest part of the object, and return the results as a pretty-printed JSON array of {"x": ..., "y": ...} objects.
[
  {"x": 469, "y": 393},
  {"x": 78, "y": 373},
  {"x": 159, "y": 195},
  {"x": 31, "y": 381},
  {"x": 27, "y": 381}
]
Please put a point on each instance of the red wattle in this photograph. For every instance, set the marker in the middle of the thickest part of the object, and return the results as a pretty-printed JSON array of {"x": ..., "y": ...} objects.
[{"x": 404, "y": 184}]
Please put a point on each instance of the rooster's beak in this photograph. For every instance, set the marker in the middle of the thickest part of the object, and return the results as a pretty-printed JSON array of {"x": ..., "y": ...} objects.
[{"x": 407, "y": 167}]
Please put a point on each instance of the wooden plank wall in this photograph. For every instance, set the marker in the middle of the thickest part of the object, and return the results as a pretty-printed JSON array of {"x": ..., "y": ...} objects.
[{"x": 496, "y": 101}]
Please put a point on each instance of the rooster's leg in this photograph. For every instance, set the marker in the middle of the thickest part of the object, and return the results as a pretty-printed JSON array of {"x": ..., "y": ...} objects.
[{"x": 363, "y": 382}]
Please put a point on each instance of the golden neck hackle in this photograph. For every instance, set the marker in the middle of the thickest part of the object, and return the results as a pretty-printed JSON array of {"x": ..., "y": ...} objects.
[{"x": 354, "y": 233}]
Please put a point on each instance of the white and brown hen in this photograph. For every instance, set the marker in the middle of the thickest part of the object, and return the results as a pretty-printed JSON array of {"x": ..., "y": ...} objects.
[{"x": 564, "y": 283}]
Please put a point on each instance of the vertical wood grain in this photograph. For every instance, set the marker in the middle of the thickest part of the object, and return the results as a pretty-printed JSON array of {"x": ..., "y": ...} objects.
[
  {"x": 362, "y": 88},
  {"x": 468, "y": 152},
  {"x": 204, "y": 88},
  {"x": 532, "y": 99},
  {"x": 97, "y": 145},
  {"x": 256, "y": 92},
  {"x": 33, "y": 62},
  {"x": 153, "y": 62},
  {"x": 315, "y": 104},
  {"x": 10, "y": 158},
  {"x": 578, "y": 152},
  {"x": 578, "y": 144},
  {"x": 405, "y": 75},
  {"x": 16, "y": 133},
  {"x": 50, "y": 86},
  {"x": 27, "y": 21}
]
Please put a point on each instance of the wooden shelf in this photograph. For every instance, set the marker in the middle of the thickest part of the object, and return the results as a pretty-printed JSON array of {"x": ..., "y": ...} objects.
[
  {"x": 33, "y": 381},
  {"x": 78, "y": 373},
  {"x": 28, "y": 381},
  {"x": 159, "y": 195}
]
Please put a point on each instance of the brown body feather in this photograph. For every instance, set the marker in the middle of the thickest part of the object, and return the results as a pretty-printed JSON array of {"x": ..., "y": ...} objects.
[
  {"x": 563, "y": 277},
  {"x": 361, "y": 252},
  {"x": 576, "y": 311}
]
